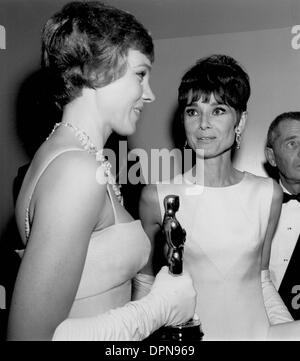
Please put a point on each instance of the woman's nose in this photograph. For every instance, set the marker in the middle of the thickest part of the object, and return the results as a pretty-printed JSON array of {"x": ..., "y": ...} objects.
[
  {"x": 204, "y": 121},
  {"x": 148, "y": 95}
]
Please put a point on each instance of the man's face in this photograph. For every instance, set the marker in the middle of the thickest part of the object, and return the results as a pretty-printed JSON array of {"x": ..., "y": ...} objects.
[{"x": 286, "y": 150}]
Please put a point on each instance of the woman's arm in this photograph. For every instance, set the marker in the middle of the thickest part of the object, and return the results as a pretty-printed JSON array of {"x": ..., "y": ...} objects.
[
  {"x": 150, "y": 215},
  {"x": 276, "y": 309},
  {"x": 67, "y": 205},
  {"x": 272, "y": 224},
  {"x": 171, "y": 301},
  {"x": 67, "y": 208}
]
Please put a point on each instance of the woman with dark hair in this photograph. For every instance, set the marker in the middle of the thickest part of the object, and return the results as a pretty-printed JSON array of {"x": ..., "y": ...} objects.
[
  {"x": 83, "y": 249},
  {"x": 229, "y": 215}
]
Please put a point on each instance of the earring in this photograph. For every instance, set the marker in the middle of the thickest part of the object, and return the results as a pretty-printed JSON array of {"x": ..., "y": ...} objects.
[
  {"x": 185, "y": 144},
  {"x": 238, "y": 138}
]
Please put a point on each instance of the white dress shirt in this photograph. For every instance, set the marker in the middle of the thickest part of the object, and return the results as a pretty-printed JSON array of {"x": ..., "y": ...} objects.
[{"x": 284, "y": 240}]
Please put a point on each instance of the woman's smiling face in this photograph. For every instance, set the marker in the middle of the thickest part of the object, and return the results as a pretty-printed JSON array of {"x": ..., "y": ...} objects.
[{"x": 121, "y": 102}]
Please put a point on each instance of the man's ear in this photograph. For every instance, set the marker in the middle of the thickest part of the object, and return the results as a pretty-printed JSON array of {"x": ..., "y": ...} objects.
[
  {"x": 242, "y": 122},
  {"x": 269, "y": 153}
]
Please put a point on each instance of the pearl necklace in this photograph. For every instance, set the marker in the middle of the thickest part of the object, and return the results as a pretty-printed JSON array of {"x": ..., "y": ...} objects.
[{"x": 85, "y": 141}]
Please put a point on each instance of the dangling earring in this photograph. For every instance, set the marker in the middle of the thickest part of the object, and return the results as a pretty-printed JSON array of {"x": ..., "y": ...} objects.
[
  {"x": 185, "y": 145},
  {"x": 238, "y": 138}
]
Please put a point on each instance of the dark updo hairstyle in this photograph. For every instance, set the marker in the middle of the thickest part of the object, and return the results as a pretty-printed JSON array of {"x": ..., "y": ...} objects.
[
  {"x": 219, "y": 75},
  {"x": 86, "y": 45}
]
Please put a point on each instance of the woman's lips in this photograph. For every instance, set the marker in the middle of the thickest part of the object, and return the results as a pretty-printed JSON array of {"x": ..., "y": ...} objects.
[{"x": 205, "y": 139}]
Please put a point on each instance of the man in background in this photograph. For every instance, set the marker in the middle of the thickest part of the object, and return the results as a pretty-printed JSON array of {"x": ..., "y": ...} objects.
[{"x": 283, "y": 152}]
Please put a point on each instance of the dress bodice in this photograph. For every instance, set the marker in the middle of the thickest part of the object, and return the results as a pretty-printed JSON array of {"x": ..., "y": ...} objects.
[
  {"x": 114, "y": 256},
  {"x": 225, "y": 230}
]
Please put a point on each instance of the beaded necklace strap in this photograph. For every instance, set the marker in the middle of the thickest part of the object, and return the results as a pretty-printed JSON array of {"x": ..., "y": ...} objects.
[{"x": 87, "y": 144}]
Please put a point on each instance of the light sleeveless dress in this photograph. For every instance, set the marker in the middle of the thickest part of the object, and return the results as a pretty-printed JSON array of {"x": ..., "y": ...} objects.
[
  {"x": 114, "y": 256},
  {"x": 225, "y": 230}
]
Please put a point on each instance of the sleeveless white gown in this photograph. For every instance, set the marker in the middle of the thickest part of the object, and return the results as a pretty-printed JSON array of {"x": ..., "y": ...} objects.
[{"x": 225, "y": 229}]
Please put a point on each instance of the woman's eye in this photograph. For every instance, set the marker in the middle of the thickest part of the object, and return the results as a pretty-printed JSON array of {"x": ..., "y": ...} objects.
[
  {"x": 141, "y": 75},
  {"x": 219, "y": 111},
  {"x": 191, "y": 112}
]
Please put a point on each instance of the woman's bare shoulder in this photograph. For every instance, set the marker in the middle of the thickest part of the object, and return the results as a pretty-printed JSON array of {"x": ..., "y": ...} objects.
[{"x": 73, "y": 173}]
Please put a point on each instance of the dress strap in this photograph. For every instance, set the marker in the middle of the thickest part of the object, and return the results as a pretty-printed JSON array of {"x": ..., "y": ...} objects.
[
  {"x": 34, "y": 183},
  {"x": 112, "y": 201}
]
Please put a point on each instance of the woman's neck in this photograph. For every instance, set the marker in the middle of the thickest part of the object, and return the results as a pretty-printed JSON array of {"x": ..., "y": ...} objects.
[
  {"x": 217, "y": 172},
  {"x": 81, "y": 114}
]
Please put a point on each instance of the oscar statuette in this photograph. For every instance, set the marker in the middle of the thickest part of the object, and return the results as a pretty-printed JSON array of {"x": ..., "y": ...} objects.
[{"x": 175, "y": 237}]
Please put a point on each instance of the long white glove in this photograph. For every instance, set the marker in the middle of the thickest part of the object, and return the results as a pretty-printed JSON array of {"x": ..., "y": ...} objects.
[
  {"x": 141, "y": 286},
  {"x": 288, "y": 331},
  {"x": 171, "y": 301},
  {"x": 275, "y": 307}
]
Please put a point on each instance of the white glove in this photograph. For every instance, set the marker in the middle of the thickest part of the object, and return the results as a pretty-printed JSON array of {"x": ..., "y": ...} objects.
[
  {"x": 141, "y": 286},
  {"x": 178, "y": 294},
  {"x": 289, "y": 331},
  {"x": 171, "y": 301},
  {"x": 275, "y": 307}
]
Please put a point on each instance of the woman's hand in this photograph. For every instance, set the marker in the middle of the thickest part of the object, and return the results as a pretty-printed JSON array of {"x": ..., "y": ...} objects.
[{"x": 178, "y": 294}]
